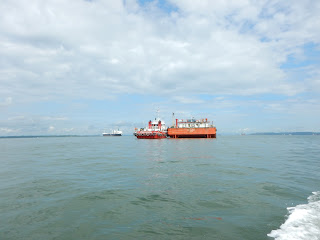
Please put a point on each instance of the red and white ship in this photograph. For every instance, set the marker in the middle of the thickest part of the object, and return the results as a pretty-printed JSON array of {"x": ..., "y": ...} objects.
[{"x": 156, "y": 129}]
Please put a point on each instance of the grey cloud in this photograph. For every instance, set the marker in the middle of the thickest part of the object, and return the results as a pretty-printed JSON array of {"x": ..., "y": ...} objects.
[{"x": 88, "y": 49}]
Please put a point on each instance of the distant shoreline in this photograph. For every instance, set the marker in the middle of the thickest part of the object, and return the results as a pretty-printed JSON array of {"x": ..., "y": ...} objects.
[
  {"x": 262, "y": 133},
  {"x": 286, "y": 133},
  {"x": 47, "y": 136}
]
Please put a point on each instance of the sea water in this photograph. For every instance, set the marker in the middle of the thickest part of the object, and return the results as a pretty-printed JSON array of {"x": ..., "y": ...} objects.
[{"x": 232, "y": 187}]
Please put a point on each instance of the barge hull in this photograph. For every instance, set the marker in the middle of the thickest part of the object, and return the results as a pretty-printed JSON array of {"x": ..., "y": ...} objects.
[{"x": 192, "y": 132}]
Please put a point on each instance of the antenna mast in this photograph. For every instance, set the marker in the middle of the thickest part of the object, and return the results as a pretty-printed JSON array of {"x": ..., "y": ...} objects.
[{"x": 173, "y": 120}]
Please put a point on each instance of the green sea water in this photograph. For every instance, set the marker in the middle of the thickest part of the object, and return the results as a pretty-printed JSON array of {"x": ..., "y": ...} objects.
[{"x": 232, "y": 187}]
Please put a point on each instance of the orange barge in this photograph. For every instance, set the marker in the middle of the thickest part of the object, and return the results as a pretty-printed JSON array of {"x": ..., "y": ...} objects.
[{"x": 192, "y": 128}]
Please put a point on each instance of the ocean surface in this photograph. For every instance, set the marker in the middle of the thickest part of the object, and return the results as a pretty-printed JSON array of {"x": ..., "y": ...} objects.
[{"x": 232, "y": 187}]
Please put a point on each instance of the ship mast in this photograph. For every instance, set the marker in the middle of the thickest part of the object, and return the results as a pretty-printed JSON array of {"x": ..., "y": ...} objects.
[{"x": 173, "y": 120}]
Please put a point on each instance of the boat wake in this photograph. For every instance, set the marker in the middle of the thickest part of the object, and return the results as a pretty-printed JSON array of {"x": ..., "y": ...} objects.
[{"x": 303, "y": 221}]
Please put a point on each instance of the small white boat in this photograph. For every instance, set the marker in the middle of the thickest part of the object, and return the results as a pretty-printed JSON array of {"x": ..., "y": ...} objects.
[{"x": 113, "y": 133}]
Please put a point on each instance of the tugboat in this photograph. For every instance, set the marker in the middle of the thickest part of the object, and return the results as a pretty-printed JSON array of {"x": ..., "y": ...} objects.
[{"x": 156, "y": 129}]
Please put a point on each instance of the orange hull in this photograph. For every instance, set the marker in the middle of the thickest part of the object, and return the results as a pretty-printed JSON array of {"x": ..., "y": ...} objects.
[{"x": 209, "y": 132}]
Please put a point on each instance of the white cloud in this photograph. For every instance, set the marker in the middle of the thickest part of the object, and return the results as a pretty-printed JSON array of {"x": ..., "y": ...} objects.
[
  {"x": 245, "y": 130},
  {"x": 296, "y": 106},
  {"x": 68, "y": 130},
  {"x": 16, "y": 118},
  {"x": 48, "y": 118},
  {"x": 53, "y": 51},
  {"x": 51, "y": 128},
  {"x": 93, "y": 49},
  {"x": 187, "y": 100},
  {"x": 29, "y": 124},
  {"x": 6, "y": 102},
  {"x": 8, "y": 130}
]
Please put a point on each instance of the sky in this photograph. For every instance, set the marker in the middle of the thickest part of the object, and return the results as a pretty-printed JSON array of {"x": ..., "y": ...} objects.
[{"x": 85, "y": 67}]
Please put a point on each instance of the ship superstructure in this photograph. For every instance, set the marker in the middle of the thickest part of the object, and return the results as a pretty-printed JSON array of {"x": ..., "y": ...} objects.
[
  {"x": 192, "y": 128},
  {"x": 155, "y": 129}
]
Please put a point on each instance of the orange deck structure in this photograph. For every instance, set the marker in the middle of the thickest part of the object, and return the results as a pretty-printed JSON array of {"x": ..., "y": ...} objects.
[{"x": 191, "y": 128}]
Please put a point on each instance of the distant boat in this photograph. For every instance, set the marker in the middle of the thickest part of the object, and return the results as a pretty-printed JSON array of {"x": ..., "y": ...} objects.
[{"x": 113, "y": 133}]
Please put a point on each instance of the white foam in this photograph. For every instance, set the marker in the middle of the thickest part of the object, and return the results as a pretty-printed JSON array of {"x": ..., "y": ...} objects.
[{"x": 303, "y": 222}]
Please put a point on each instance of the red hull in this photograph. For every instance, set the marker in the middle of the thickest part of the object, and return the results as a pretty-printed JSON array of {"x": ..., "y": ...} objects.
[{"x": 150, "y": 135}]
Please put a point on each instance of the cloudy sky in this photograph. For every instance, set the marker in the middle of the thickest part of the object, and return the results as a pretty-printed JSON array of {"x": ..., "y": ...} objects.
[{"x": 81, "y": 67}]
